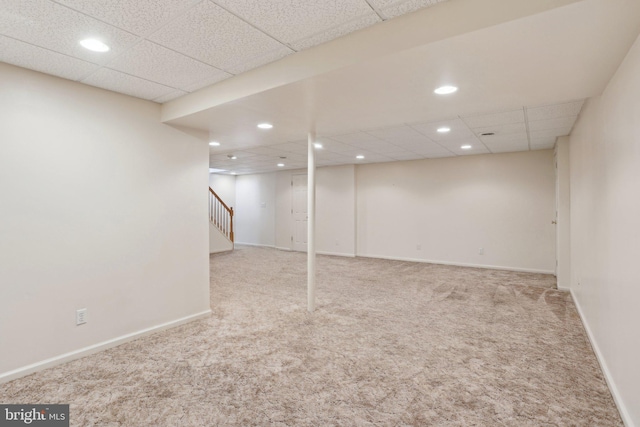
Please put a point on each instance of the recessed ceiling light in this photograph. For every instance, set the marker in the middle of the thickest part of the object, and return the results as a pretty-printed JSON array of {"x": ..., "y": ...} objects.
[
  {"x": 231, "y": 156},
  {"x": 446, "y": 90},
  {"x": 466, "y": 147},
  {"x": 444, "y": 129},
  {"x": 214, "y": 144},
  {"x": 265, "y": 125},
  {"x": 317, "y": 145},
  {"x": 94, "y": 45},
  {"x": 360, "y": 156},
  {"x": 280, "y": 165}
]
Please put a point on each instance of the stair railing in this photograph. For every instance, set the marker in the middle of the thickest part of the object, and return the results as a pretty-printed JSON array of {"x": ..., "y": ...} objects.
[{"x": 220, "y": 214}]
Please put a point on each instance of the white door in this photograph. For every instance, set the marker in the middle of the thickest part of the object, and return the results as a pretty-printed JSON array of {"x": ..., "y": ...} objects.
[{"x": 299, "y": 212}]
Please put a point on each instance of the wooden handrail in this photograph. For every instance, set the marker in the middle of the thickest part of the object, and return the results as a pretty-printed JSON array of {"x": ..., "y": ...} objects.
[
  {"x": 220, "y": 200},
  {"x": 220, "y": 215}
]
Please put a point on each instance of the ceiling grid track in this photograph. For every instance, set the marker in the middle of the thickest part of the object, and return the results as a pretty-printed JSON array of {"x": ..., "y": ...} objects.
[{"x": 375, "y": 10}]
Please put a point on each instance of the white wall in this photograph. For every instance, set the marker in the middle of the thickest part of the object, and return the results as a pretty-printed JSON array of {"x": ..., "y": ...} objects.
[
  {"x": 104, "y": 208},
  {"x": 563, "y": 229},
  {"x": 336, "y": 210},
  {"x": 452, "y": 207},
  {"x": 225, "y": 187},
  {"x": 218, "y": 242},
  {"x": 255, "y": 218},
  {"x": 605, "y": 229}
]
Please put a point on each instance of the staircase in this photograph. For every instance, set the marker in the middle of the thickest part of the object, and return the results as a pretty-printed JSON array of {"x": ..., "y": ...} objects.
[{"x": 221, "y": 224}]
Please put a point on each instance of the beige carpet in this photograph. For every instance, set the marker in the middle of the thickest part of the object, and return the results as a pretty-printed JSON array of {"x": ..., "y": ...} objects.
[{"x": 391, "y": 344}]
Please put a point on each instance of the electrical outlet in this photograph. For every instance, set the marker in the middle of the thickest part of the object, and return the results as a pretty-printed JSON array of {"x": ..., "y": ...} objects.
[
  {"x": 81, "y": 316},
  {"x": 481, "y": 251}
]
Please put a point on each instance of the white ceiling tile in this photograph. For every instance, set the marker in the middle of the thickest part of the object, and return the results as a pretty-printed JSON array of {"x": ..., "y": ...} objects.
[
  {"x": 381, "y": 147},
  {"x": 555, "y": 111},
  {"x": 562, "y": 122},
  {"x": 501, "y": 147},
  {"x": 153, "y": 62},
  {"x": 124, "y": 83},
  {"x": 292, "y": 147},
  {"x": 355, "y": 138},
  {"x": 549, "y": 140},
  {"x": 9, "y": 17},
  {"x": 475, "y": 149},
  {"x": 508, "y": 148},
  {"x": 60, "y": 29},
  {"x": 259, "y": 60},
  {"x": 431, "y": 148},
  {"x": 494, "y": 119},
  {"x": 168, "y": 97},
  {"x": 404, "y": 155},
  {"x": 459, "y": 130},
  {"x": 335, "y": 32},
  {"x": 550, "y": 132},
  {"x": 542, "y": 147},
  {"x": 415, "y": 144},
  {"x": 36, "y": 58},
  {"x": 513, "y": 128},
  {"x": 136, "y": 16},
  {"x": 395, "y": 133},
  {"x": 266, "y": 151},
  {"x": 212, "y": 79},
  {"x": 392, "y": 8},
  {"x": 334, "y": 146},
  {"x": 439, "y": 155},
  {"x": 289, "y": 21},
  {"x": 516, "y": 138},
  {"x": 210, "y": 34}
]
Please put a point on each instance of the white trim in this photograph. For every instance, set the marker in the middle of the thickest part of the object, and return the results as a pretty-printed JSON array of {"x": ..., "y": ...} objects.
[
  {"x": 459, "y": 264},
  {"x": 256, "y": 244},
  {"x": 336, "y": 254},
  {"x": 86, "y": 351},
  {"x": 624, "y": 413},
  {"x": 282, "y": 248},
  {"x": 221, "y": 251}
]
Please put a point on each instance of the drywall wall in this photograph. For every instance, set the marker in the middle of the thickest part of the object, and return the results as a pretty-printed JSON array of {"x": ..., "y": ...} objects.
[
  {"x": 335, "y": 209},
  {"x": 225, "y": 187},
  {"x": 445, "y": 210},
  {"x": 563, "y": 201},
  {"x": 218, "y": 242},
  {"x": 605, "y": 230},
  {"x": 103, "y": 208},
  {"x": 255, "y": 209}
]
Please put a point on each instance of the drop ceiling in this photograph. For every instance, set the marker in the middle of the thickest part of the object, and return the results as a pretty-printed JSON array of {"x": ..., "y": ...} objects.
[
  {"x": 163, "y": 49},
  {"x": 359, "y": 72}
]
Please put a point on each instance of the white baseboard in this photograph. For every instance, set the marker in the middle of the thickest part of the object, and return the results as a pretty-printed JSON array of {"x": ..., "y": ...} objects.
[
  {"x": 624, "y": 413},
  {"x": 86, "y": 351},
  {"x": 336, "y": 254},
  {"x": 255, "y": 244},
  {"x": 460, "y": 264},
  {"x": 282, "y": 248},
  {"x": 220, "y": 251}
]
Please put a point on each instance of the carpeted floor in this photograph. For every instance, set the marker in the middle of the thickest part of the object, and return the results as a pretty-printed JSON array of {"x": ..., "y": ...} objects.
[{"x": 391, "y": 344}]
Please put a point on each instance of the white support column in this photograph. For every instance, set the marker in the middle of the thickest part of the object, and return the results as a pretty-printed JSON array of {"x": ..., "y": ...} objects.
[{"x": 311, "y": 224}]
